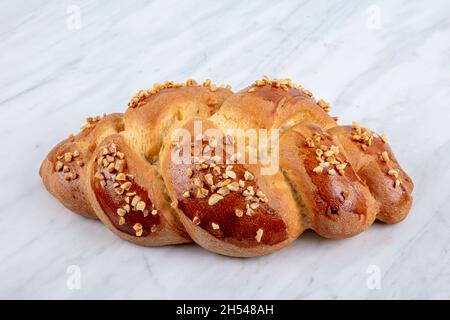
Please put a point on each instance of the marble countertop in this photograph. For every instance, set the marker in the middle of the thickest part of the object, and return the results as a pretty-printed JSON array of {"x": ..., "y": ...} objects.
[{"x": 385, "y": 64}]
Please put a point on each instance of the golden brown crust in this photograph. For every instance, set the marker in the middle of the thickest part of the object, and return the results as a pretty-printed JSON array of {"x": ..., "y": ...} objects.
[
  {"x": 265, "y": 105},
  {"x": 156, "y": 115},
  {"x": 337, "y": 203},
  {"x": 377, "y": 166},
  {"x": 63, "y": 171},
  {"x": 127, "y": 195},
  {"x": 333, "y": 179},
  {"x": 229, "y": 208}
]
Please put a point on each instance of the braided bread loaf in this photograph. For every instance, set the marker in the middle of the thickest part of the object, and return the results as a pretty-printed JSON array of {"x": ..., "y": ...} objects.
[{"x": 128, "y": 170}]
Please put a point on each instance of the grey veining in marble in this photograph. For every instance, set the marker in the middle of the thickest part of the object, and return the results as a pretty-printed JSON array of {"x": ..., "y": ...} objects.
[{"x": 385, "y": 64}]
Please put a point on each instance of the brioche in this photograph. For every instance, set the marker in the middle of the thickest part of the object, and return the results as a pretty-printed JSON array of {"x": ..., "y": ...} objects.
[{"x": 241, "y": 174}]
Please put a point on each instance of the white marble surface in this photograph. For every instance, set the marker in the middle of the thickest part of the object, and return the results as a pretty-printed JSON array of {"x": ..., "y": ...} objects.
[{"x": 392, "y": 74}]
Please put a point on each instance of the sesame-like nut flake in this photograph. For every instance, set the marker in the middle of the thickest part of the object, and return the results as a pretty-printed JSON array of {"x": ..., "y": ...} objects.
[
  {"x": 140, "y": 206},
  {"x": 186, "y": 194},
  {"x": 215, "y": 226},
  {"x": 385, "y": 156},
  {"x": 324, "y": 105},
  {"x": 135, "y": 201},
  {"x": 121, "y": 212},
  {"x": 393, "y": 173},
  {"x": 121, "y": 177},
  {"x": 68, "y": 156},
  {"x": 239, "y": 213},
  {"x": 233, "y": 186},
  {"x": 214, "y": 198},
  {"x": 259, "y": 234},
  {"x": 59, "y": 166},
  {"x": 119, "y": 165},
  {"x": 248, "y": 176},
  {"x": 318, "y": 169}
]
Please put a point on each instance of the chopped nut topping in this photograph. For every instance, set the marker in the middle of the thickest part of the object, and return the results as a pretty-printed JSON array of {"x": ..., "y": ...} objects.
[
  {"x": 234, "y": 186},
  {"x": 254, "y": 205},
  {"x": 58, "y": 166},
  {"x": 239, "y": 213},
  {"x": 324, "y": 164},
  {"x": 138, "y": 228},
  {"x": 121, "y": 221},
  {"x": 113, "y": 147},
  {"x": 334, "y": 149},
  {"x": 215, "y": 226},
  {"x": 140, "y": 206},
  {"x": 259, "y": 234},
  {"x": 121, "y": 177},
  {"x": 126, "y": 186},
  {"x": 385, "y": 156},
  {"x": 383, "y": 138},
  {"x": 223, "y": 191},
  {"x": 90, "y": 122},
  {"x": 135, "y": 201},
  {"x": 252, "y": 89},
  {"x": 318, "y": 169},
  {"x": 248, "y": 176},
  {"x": 68, "y": 156},
  {"x": 231, "y": 174},
  {"x": 309, "y": 142},
  {"x": 214, "y": 198},
  {"x": 119, "y": 166},
  {"x": 189, "y": 172},
  {"x": 209, "y": 179},
  {"x": 198, "y": 183},
  {"x": 66, "y": 169},
  {"x": 186, "y": 194},
  {"x": 121, "y": 212},
  {"x": 332, "y": 172},
  {"x": 393, "y": 173},
  {"x": 324, "y": 105},
  {"x": 397, "y": 183},
  {"x": 341, "y": 166}
]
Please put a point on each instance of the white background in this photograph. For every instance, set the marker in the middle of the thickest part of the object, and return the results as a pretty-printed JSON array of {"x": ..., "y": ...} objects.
[{"x": 385, "y": 64}]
